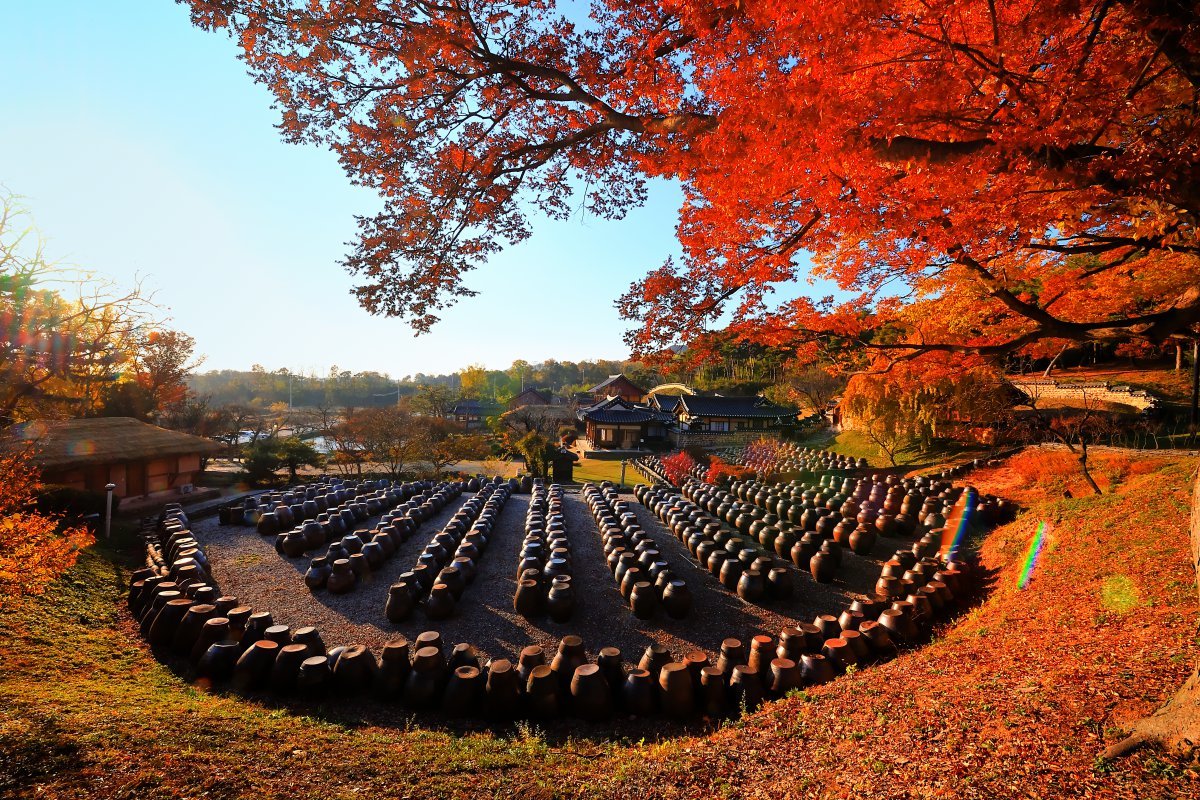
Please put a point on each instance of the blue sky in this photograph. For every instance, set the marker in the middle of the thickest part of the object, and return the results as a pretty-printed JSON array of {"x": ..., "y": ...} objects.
[{"x": 141, "y": 147}]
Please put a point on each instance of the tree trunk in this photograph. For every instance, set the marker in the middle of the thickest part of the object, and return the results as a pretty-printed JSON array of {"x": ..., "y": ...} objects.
[
  {"x": 1178, "y": 356},
  {"x": 1083, "y": 465},
  {"x": 1194, "y": 416},
  {"x": 1054, "y": 361}
]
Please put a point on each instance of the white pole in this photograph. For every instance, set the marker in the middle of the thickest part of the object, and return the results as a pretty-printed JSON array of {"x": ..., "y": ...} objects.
[{"x": 108, "y": 511}]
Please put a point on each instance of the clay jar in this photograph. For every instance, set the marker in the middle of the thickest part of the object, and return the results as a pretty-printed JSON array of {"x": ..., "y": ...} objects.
[
  {"x": 591, "y": 698},
  {"x": 862, "y": 540},
  {"x": 816, "y": 669},
  {"x": 286, "y": 669},
  {"x": 745, "y": 688},
  {"x": 313, "y": 677},
  {"x": 464, "y": 693},
  {"x": 713, "y": 692},
  {"x": 218, "y": 662},
  {"x": 424, "y": 686},
  {"x": 730, "y": 574},
  {"x": 676, "y": 689},
  {"x": 399, "y": 604},
  {"x": 751, "y": 586},
  {"x": 253, "y": 668},
  {"x": 341, "y": 578},
  {"x": 779, "y": 583},
  {"x": 560, "y": 601},
  {"x": 355, "y": 669},
  {"x": 215, "y": 629},
  {"x": 637, "y": 693},
  {"x": 643, "y": 600},
  {"x": 542, "y": 693},
  {"x": 822, "y": 567},
  {"x": 528, "y": 598},
  {"x": 570, "y": 655},
  {"x": 785, "y": 676},
  {"x": 318, "y": 573},
  {"x": 502, "y": 690},
  {"x": 733, "y": 652},
  {"x": 166, "y": 621},
  {"x": 677, "y": 599}
]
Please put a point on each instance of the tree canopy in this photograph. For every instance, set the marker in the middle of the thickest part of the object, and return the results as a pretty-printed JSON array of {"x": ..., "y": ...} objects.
[{"x": 976, "y": 177}]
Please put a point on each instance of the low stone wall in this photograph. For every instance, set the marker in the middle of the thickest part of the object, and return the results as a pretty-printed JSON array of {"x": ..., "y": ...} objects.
[
  {"x": 1049, "y": 389},
  {"x": 713, "y": 440}
]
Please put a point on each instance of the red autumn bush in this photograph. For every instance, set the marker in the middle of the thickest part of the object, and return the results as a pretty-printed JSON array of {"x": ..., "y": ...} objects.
[
  {"x": 678, "y": 466},
  {"x": 720, "y": 471},
  {"x": 35, "y": 548}
]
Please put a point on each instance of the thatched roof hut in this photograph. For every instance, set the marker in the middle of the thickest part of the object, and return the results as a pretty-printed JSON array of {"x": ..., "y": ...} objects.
[{"x": 139, "y": 458}]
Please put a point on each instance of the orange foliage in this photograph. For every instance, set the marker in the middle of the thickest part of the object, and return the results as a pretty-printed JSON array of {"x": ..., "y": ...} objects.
[
  {"x": 974, "y": 176},
  {"x": 720, "y": 470},
  {"x": 34, "y": 548}
]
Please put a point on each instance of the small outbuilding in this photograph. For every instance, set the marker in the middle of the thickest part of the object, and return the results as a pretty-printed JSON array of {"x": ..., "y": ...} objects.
[
  {"x": 140, "y": 459},
  {"x": 529, "y": 397},
  {"x": 617, "y": 386}
]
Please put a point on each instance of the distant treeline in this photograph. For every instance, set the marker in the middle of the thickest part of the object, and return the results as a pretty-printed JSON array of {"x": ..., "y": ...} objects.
[{"x": 341, "y": 388}]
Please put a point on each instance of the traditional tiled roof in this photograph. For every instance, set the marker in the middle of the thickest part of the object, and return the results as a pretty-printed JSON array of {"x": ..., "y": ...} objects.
[
  {"x": 467, "y": 408},
  {"x": 606, "y": 403},
  {"x": 530, "y": 397},
  {"x": 665, "y": 402},
  {"x": 626, "y": 416},
  {"x": 613, "y": 380},
  {"x": 746, "y": 407}
]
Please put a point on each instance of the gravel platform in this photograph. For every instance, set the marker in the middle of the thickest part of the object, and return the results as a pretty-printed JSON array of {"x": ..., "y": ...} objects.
[{"x": 247, "y": 565}]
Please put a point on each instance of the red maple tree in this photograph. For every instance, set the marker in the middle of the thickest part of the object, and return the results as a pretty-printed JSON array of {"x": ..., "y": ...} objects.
[{"x": 976, "y": 177}]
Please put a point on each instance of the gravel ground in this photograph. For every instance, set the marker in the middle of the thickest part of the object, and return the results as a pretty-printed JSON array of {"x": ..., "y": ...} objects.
[{"x": 247, "y": 565}]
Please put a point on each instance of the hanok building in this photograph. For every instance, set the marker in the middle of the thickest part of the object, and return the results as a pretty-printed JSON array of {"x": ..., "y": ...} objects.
[
  {"x": 617, "y": 386},
  {"x": 529, "y": 397},
  {"x": 617, "y": 424},
  {"x": 664, "y": 402},
  {"x": 473, "y": 414},
  {"x": 705, "y": 420},
  {"x": 139, "y": 459}
]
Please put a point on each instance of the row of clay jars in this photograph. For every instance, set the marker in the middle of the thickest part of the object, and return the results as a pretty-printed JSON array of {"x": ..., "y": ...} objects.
[
  {"x": 645, "y": 580},
  {"x": 740, "y": 568},
  {"x": 544, "y": 568},
  {"x": 396, "y": 525},
  {"x": 438, "y": 593},
  {"x": 350, "y": 560}
]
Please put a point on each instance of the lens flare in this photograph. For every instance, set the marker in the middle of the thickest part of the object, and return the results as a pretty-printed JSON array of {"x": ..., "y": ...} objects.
[
  {"x": 955, "y": 532},
  {"x": 1031, "y": 557}
]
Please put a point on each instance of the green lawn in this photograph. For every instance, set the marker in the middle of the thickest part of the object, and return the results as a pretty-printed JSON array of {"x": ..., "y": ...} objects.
[{"x": 594, "y": 470}]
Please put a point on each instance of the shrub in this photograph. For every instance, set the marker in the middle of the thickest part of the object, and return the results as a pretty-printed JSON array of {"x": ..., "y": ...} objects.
[
  {"x": 678, "y": 466},
  {"x": 70, "y": 502},
  {"x": 35, "y": 547}
]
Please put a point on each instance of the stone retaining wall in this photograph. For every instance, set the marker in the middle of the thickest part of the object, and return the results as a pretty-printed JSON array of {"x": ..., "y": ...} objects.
[
  {"x": 1048, "y": 389},
  {"x": 713, "y": 440}
]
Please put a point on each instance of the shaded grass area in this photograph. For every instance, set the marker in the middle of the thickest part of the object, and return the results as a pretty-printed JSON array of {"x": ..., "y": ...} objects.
[
  {"x": 1016, "y": 699},
  {"x": 941, "y": 454}
]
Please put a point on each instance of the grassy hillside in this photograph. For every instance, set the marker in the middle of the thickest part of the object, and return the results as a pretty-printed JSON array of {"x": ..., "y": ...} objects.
[
  {"x": 1017, "y": 699},
  {"x": 1020, "y": 697}
]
